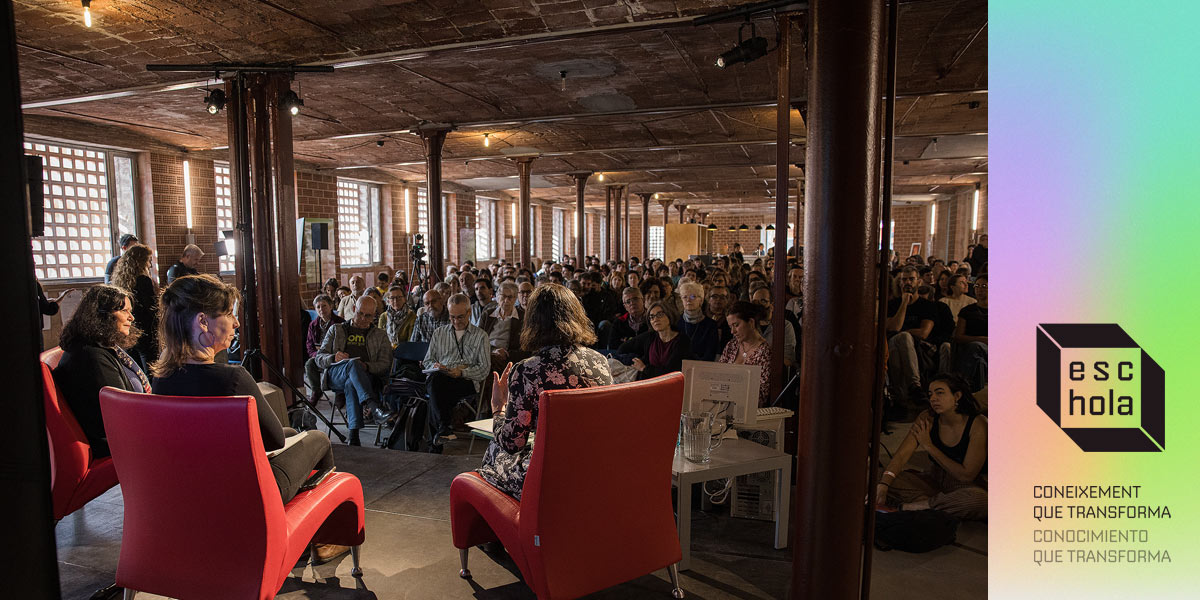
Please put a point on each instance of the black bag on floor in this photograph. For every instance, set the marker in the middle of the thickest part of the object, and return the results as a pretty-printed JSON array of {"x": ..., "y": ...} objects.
[
  {"x": 408, "y": 432},
  {"x": 914, "y": 530}
]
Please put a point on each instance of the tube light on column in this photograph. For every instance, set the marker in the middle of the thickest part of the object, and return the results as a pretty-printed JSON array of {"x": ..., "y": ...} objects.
[
  {"x": 187, "y": 193},
  {"x": 407, "y": 213},
  {"x": 975, "y": 210},
  {"x": 513, "y": 220},
  {"x": 933, "y": 217}
]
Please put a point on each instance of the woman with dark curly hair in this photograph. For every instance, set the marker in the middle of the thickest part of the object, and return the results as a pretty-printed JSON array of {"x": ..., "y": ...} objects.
[
  {"x": 94, "y": 343},
  {"x": 132, "y": 274},
  {"x": 558, "y": 332}
]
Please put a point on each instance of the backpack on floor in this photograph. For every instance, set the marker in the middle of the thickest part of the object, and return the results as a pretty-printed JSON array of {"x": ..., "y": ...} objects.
[
  {"x": 408, "y": 432},
  {"x": 914, "y": 530}
]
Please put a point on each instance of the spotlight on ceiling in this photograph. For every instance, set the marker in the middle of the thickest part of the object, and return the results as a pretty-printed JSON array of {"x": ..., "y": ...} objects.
[
  {"x": 746, "y": 50},
  {"x": 215, "y": 101},
  {"x": 291, "y": 103},
  {"x": 601, "y": 177},
  {"x": 87, "y": 13},
  {"x": 487, "y": 140},
  {"x": 743, "y": 227}
]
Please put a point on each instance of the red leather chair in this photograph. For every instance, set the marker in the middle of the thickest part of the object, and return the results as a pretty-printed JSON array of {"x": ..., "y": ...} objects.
[
  {"x": 203, "y": 515},
  {"x": 75, "y": 476},
  {"x": 596, "y": 507}
]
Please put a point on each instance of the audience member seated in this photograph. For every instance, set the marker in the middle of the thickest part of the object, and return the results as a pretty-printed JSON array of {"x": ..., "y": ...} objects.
[
  {"x": 331, "y": 289},
  {"x": 94, "y": 343},
  {"x": 614, "y": 332},
  {"x": 954, "y": 433},
  {"x": 703, "y": 332},
  {"x": 748, "y": 346},
  {"x": 971, "y": 338},
  {"x": 462, "y": 356},
  {"x": 718, "y": 303},
  {"x": 600, "y": 304},
  {"x": 762, "y": 297},
  {"x": 349, "y": 304},
  {"x": 198, "y": 322},
  {"x": 910, "y": 321},
  {"x": 354, "y": 357},
  {"x": 503, "y": 326},
  {"x": 660, "y": 350},
  {"x": 484, "y": 301},
  {"x": 317, "y": 329},
  {"x": 795, "y": 292},
  {"x": 132, "y": 274},
  {"x": 558, "y": 333},
  {"x": 958, "y": 297},
  {"x": 399, "y": 318},
  {"x": 431, "y": 317},
  {"x": 383, "y": 282},
  {"x": 187, "y": 263}
]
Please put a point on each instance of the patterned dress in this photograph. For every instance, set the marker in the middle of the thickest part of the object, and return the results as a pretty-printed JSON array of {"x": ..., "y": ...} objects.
[
  {"x": 551, "y": 368},
  {"x": 760, "y": 357}
]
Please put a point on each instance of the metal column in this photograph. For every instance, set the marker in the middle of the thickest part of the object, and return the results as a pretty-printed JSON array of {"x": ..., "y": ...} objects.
[
  {"x": 433, "y": 135},
  {"x": 581, "y": 178},
  {"x": 524, "y": 167}
]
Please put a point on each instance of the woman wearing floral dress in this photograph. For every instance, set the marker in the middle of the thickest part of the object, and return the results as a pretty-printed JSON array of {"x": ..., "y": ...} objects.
[{"x": 558, "y": 333}]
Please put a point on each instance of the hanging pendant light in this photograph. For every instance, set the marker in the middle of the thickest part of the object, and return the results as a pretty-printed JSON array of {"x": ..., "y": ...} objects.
[
  {"x": 743, "y": 227},
  {"x": 770, "y": 228}
]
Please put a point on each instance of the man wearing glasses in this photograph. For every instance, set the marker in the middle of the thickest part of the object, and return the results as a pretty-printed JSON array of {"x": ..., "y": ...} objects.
[
  {"x": 460, "y": 353},
  {"x": 615, "y": 332}
]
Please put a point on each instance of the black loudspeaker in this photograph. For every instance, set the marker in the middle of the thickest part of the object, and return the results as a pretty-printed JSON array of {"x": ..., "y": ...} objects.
[
  {"x": 320, "y": 236},
  {"x": 33, "y": 190}
]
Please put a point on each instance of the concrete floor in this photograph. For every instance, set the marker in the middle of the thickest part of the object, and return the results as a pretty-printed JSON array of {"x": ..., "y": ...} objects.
[{"x": 408, "y": 553}]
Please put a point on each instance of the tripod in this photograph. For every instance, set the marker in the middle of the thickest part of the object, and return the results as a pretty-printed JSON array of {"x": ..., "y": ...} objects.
[{"x": 298, "y": 398}]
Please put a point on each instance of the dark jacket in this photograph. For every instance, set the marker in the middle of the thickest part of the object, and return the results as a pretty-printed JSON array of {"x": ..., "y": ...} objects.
[
  {"x": 145, "y": 315},
  {"x": 178, "y": 270},
  {"x": 79, "y": 376},
  {"x": 316, "y": 334},
  {"x": 640, "y": 347},
  {"x": 705, "y": 337},
  {"x": 619, "y": 331},
  {"x": 601, "y": 306}
]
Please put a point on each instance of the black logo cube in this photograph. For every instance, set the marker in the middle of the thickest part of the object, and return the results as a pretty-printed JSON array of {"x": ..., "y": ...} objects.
[{"x": 1101, "y": 388}]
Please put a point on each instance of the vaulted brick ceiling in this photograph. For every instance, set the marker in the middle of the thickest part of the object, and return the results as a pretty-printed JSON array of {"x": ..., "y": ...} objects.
[{"x": 643, "y": 102}]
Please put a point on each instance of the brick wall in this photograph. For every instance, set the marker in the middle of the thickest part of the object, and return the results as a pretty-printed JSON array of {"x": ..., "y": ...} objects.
[
  {"x": 912, "y": 227},
  {"x": 723, "y": 239}
]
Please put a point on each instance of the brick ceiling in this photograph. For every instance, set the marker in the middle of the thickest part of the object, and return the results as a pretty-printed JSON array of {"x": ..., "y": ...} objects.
[{"x": 685, "y": 129}]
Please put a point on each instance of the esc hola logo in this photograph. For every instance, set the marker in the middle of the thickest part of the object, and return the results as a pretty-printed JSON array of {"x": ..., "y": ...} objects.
[{"x": 1101, "y": 388}]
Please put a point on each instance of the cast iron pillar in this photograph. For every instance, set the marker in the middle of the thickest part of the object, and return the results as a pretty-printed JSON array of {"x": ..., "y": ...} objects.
[
  {"x": 839, "y": 352},
  {"x": 607, "y": 242},
  {"x": 682, "y": 208},
  {"x": 433, "y": 136},
  {"x": 665, "y": 203},
  {"x": 581, "y": 178},
  {"x": 783, "y": 138},
  {"x": 617, "y": 253},
  {"x": 645, "y": 196},
  {"x": 524, "y": 167}
]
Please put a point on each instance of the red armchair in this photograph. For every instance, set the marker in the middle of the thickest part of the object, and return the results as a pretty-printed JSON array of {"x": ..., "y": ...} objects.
[
  {"x": 75, "y": 477},
  {"x": 596, "y": 506},
  {"x": 203, "y": 515}
]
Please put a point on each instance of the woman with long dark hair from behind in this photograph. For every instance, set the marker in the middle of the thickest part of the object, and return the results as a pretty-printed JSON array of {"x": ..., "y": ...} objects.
[
  {"x": 558, "y": 333},
  {"x": 132, "y": 274},
  {"x": 954, "y": 433},
  {"x": 94, "y": 344}
]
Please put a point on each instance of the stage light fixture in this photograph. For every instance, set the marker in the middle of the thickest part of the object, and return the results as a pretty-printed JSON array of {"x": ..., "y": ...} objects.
[
  {"x": 747, "y": 49},
  {"x": 87, "y": 13},
  {"x": 291, "y": 103},
  {"x": 215, "y": 101}
]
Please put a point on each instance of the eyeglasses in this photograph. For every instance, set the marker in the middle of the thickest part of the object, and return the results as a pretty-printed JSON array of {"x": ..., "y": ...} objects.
[{"x": 658, "y": 314}]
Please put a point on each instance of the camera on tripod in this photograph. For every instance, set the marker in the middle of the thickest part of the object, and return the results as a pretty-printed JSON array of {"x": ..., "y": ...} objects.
[{"x": 417, "y": 251}]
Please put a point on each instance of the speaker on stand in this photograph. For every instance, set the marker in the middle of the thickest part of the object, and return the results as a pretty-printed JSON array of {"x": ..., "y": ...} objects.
[{"x": 320, "y": 241}]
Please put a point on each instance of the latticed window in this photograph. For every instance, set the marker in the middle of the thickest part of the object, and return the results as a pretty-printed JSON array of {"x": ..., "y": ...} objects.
[
  {"x": 358, "y": 223},
  {"x": 556, "y": 234},
  {"x": 656, "y": 242},
  {"x": 225, "y": 215},
  {"x": 485, "y": 220},
  {"x": 423, "y": 214},
  {"x": 83, "y": 206}
]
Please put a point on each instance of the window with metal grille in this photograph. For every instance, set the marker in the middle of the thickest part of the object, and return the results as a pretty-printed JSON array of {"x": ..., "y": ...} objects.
[
  {"x": 86, "y": 209},
  {"x": 556, "y": 234},
  {"x": 225, "y": 215},
  {"x": 485, "y": 220},
  {"x": 358, "y": 223},
  {"x": 423, "y": 215},
  {"x": 656, "y": 242}
]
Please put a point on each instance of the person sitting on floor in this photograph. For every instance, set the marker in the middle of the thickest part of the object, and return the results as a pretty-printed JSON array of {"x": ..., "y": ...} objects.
[
  {"x": 660, "y": 350},
  {"x": 748, "y": 346},
  {"x": 462, "y": 356},
  {"x": 317, "y": 329},
  {"x": 954, "y": 433},
  {"x": 94, "y": 343},
  {"x": 354, "y": 358},
  {"x": 557, "y": 331}
]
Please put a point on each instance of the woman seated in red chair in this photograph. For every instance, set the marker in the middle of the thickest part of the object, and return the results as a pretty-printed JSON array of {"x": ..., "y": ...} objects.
[
  {"x": 197, "y": 323},
  {"x": 94, "y": 342},
  {"x": 557, "y": 331}
]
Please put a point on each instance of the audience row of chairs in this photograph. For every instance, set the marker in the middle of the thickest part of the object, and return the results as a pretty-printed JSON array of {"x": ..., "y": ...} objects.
[{"x": 209, "y": 486}]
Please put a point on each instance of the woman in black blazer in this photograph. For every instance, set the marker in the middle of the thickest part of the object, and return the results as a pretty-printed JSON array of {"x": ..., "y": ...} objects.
[
  {"x": 660, "y": 350},
  {"x": 132, "y": 274},
  {"x": 94, "y": 343}
]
